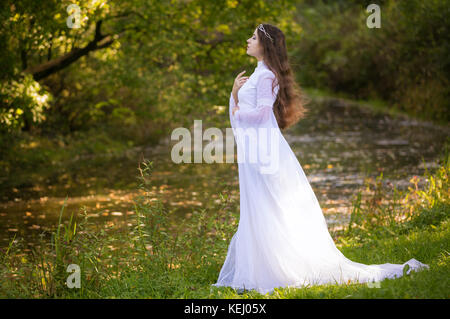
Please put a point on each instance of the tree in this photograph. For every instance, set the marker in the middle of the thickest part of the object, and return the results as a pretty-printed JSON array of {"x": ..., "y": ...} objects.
[{"x": 159, "y": 52}]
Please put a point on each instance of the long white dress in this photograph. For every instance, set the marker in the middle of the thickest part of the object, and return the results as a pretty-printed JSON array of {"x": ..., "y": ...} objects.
[{"x": 282, "y": 239}]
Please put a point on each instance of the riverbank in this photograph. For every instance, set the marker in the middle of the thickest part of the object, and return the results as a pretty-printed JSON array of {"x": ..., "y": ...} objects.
[
  {"x": 376, "y": 106},
  {"x": 152, "y": 258}
]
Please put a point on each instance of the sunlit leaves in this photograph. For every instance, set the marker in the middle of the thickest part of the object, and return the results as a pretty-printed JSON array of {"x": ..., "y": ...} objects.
[
  {"x": 24, "y": 98},
  {"x": 232, "y": 3}
]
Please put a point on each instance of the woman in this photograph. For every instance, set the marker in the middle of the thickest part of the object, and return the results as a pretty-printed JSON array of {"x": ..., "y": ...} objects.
[{"x": 282, "y": 239}]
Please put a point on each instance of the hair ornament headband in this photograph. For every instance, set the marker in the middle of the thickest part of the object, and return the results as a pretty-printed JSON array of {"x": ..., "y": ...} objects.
[{"x": 261, "y": 27}]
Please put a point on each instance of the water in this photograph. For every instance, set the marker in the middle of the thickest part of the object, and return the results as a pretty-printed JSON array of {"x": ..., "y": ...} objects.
[{"x": 339, "y": 145}]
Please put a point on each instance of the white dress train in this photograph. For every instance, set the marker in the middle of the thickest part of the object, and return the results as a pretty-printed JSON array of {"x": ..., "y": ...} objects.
[{"x": 282, "y": 239}]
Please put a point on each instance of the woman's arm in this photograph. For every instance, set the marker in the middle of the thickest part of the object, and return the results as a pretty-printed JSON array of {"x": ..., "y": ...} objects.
[
  {"x": 233, "y": 105},
  {"x": 235, "y": 98}
]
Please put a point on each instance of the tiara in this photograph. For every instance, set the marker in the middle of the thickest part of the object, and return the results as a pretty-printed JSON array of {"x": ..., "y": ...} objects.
[{"x": 261, "y": 27}]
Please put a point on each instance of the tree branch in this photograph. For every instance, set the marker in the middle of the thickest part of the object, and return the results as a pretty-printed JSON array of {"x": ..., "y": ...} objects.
[{"x": 100, "y": 41}]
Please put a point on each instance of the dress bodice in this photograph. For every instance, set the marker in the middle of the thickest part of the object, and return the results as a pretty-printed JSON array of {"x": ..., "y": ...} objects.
[
  {"x": 255, "y": 95},
  {"x": 247, "y": 92}
]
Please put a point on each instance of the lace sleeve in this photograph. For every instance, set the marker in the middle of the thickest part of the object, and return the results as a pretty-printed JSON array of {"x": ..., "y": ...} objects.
[{"x": 264, "y": 102}]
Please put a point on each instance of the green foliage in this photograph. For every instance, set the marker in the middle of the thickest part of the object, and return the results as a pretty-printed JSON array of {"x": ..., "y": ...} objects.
[
  {"x": 24, "y": 101},
  {"x": 167, "y": 62},
  {"x": 165, "y": 66},
  {"x": 405, "y": 62}
]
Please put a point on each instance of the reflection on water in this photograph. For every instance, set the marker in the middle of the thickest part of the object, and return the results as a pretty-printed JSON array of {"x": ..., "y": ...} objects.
[{"x": 338, "y": 145}]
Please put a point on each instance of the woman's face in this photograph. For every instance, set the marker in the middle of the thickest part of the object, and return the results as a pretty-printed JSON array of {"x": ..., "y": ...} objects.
[{"x": 253, "y": 46}]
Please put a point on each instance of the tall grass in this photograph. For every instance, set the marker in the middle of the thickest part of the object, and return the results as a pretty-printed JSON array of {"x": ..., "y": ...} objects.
[
  {"x": 405, "y": 211},
  {"x": 151, "y": 257}
]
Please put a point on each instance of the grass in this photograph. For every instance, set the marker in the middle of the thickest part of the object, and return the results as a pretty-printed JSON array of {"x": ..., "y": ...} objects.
[{"x": 153, "y": 258}]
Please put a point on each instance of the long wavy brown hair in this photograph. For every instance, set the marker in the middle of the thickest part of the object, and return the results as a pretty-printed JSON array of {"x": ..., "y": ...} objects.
[{"x": 289, "y": 106}]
